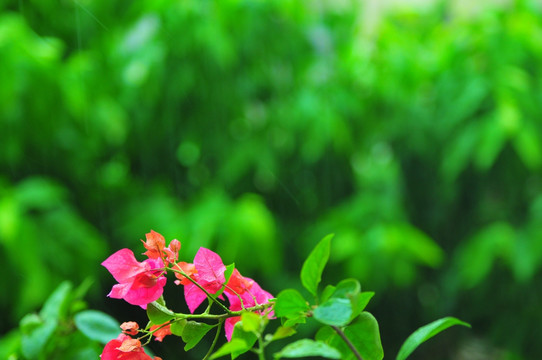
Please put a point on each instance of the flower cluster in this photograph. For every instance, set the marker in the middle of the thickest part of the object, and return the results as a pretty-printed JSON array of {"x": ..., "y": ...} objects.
[{"x": 141, "y": 283}]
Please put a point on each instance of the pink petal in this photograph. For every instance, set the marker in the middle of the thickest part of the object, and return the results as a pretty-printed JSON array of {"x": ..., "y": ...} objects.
[
  {"x": 123, "y": 265},
  {"x": 210, "y": 270},
  {"x": 145, "y": 295},
  {"x": 193, "y": 296},
  {"x": 119, "y": 291}
]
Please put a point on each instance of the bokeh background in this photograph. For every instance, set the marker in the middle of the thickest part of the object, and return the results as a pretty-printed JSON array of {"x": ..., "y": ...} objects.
[{"x": 413, "y": 131}]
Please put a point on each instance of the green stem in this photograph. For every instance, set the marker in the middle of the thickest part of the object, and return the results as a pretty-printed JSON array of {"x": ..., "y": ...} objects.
[
  {"x": 348, "y": 342},
  {"x": 202, "y": 289},
  {"x": 221, "y": 316},
  {"x": 215, "y": 340}
]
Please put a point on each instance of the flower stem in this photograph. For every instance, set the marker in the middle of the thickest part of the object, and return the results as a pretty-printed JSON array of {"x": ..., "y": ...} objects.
[
  {"x": 348, "y": 342},
  {"x": 202, "y": 289},
  {"x": 215, "y": 340}
]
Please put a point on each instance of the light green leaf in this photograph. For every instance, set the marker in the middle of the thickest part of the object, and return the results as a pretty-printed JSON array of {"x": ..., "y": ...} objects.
[
  {"x": 346, "y": 288},
  {"x": 311, "y": 272},
  {"x": 281, "y": 333},
  {"x": 308, "y": 347},
  {"x": 335, "y": 311},
  {"x": 425, "y": 333},
  {"x": 193, "y": 332},
  {"x": 158, "y": 313},
  {"x": 235, "y": 345},
  {"x": 251, "y": 321},
  {"x": 290, "y": 303},
  {"x": 97, "y": 325},
  {"x": 248, "y": 337}
]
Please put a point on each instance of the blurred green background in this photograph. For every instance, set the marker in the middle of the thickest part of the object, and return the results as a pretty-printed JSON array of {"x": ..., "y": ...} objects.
[{"x": 255, "y": 128}]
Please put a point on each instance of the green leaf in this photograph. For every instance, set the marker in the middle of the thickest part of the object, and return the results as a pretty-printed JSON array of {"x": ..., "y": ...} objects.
[
  {"x": 346, "y": 289},
  {"x": 248, "y": 337},
  {"x": 328, "y": 291},
  {"x": 55, "y": 306},
  {"x": 360, "y": 301},
  {"x": 33, "y": 344},
  {"x": 250, "y": 321},
  {"x": 335, "y": 311},
  {"x": 235, "y": 345},
  {"x": 194, "y": 332},
  {"x": 311, "y": 272},
  {"x": 301, "y": 319},
  {"x": 158, "y": 313},
  {"x": 290, "y": 303},
  {"x": 308, "y": 347},
  {"x": 177, "y": 327},
  {"x": 425, "y": 333},
  {"x": 97, "y": 325},
  {"x": 281, "y": 333},
  {"x": 365, "y": 336}
]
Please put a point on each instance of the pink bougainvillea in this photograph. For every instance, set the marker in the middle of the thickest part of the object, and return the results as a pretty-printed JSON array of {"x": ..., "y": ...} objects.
[
  {"x": 140, "y": 283},
  {"x": 125, "y": 348}
]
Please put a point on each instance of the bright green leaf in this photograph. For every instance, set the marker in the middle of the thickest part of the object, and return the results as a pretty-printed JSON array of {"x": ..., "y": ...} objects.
[
  {"x": 227, "y": 276},
  {"x": 308, "y": 347},
  {"x": 425, "y": 333},
  {"x": 235, "y": 345},
  {"x": 290, "y": 303},
  {"x": 360, "y": 301},
  {"x": 346, "y": 288},
  {"x": 335, "y": 311},
  {"x": 311, "y": 272},
  {"x": 282, "y": 332},
  {"x": 250, "y": 321},
  {"x": 326, "y": 294}
]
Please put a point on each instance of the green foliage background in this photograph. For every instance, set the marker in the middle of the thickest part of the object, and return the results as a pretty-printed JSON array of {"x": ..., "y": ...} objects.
[{"x": 257, "y": 127}]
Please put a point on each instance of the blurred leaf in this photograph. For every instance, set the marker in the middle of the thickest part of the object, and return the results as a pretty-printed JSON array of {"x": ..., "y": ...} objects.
[
  {"x": 425, "y": 333},
  {"x": 306, "y": 348},
  {"x": 97, "y": 325}
]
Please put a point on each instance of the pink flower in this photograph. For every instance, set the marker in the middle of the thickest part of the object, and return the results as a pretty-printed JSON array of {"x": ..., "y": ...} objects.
[
  {"x": 251, "y": 294},
  {"x": 209, "y": 273},
  {"x": 140, "y": 283},
  {"x": 124, "y": 348}
]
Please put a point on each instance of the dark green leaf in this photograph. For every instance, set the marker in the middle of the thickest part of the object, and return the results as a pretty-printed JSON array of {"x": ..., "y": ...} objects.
[
  {"x": 177, "y": 327},
  {"x": 97, "y": 325},
  {"x": 308, "y": 347},
  {"x": 193, "y": 332},
  {"x": 335, "y": 311},
  {"x": 425, "y": 333},
  {"x": 365, "y": 336},
  {"x": 311, "y": 272},
  {"x": 158, "y": 313}
]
